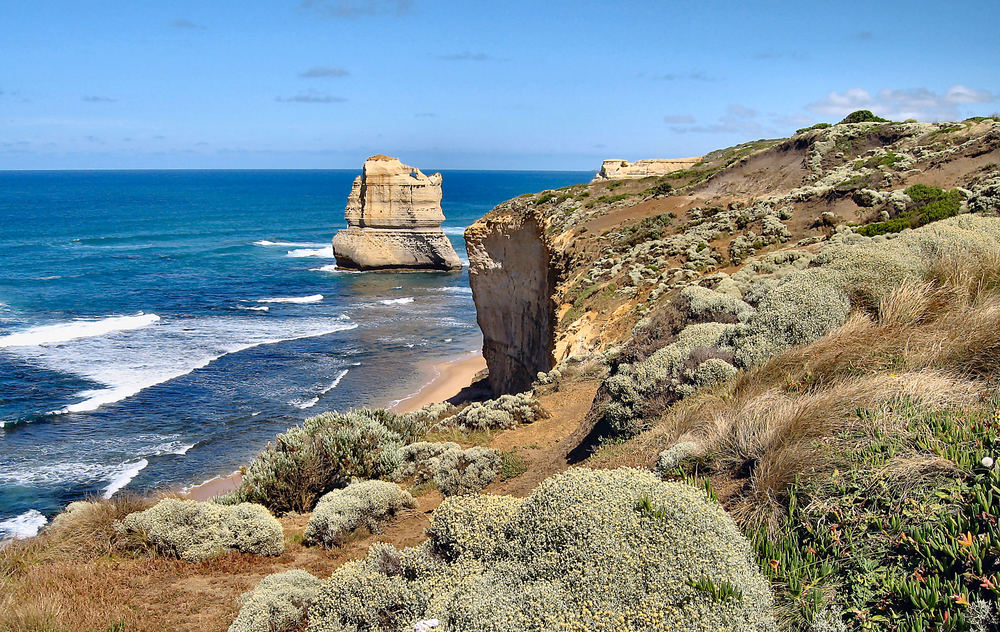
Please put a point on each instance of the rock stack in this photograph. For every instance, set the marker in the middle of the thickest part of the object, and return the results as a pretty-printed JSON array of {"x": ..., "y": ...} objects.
[{"x": 394, "y": 221}]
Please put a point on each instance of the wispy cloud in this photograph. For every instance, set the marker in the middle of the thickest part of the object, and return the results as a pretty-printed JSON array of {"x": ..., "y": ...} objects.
[
  {"x": 311, "y": 97},
  {"x": 864, "y": 36},
  {"x": 356, "y": 8},
  {"x": 318, "y": 72},
  {"x": 777, "y": 55},
  {"x": 98, "y": 99},
  {"x": 738, "y": 119},
  {"x": 183, "y": 23},
  {"x": 678, "y": 119},
  {"x": 697, "y": 75},
  {"x": 918, "y": 103},
  {"x": 467, "y": 56}
]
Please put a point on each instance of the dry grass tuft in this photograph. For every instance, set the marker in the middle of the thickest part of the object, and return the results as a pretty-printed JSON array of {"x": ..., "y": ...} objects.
[{"x": 932, "y": 346}]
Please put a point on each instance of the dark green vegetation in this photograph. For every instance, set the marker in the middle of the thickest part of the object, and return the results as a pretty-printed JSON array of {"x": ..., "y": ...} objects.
[
  {"x": 812, "y": 127},
  {"x": 863, "y": 116},
  {"x": 902, "y": 552},
  {"x": 930, "y": 204},
  {"x": 649, "y": 229},
  {"x": 513, "y": 465}
]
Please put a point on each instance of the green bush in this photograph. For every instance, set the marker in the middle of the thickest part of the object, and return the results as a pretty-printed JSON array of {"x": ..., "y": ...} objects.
[
  {"x": 194, "y": 531},
  {"x": 662, "y": 189},
  {"x": 578, "y": 553},
  {"x": 863, "y": 116},
  {"x": 416, "y": 459},
  {"x": 323, "y": 454},
  {"x": 929, "y": 204},
  {"x": 812, "y": 127},
  {"x": 278, "y": 603},
  {"x": 364, "y": 504}
]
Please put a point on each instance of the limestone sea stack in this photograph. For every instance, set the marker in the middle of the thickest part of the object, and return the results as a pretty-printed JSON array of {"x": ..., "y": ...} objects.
[
  {"x": 618, "y": 169},
  {"x": 394, "y": 221}
]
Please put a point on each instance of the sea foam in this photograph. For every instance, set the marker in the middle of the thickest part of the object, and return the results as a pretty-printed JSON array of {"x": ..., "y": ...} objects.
[
  {"x": 267, "y": 242},
  {"x": 132, "y": 360},
  {"x": 397, "y": 301},
  {"x": 309, "y": 403},
  {"x": 124, "y": 476},
  {"x": 25, "y": 525},
  {"x": 312, "y": 298},
  {"x": 74, "y": 330},
  {"x": 325, "y": 252}
]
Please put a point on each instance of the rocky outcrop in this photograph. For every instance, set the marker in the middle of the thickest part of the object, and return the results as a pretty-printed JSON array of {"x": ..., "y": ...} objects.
[
  {"x": 394, "y": 221},
  {"x": 513, "y": 283},
  {"x": 617, "y": 169}
]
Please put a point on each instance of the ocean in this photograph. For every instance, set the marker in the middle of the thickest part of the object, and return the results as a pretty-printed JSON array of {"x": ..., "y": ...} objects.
[{"x": 158, "y": 328}]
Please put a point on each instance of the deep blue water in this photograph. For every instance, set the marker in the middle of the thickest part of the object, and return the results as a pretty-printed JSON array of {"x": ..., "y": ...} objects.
[{"x": 140, "y": 342}]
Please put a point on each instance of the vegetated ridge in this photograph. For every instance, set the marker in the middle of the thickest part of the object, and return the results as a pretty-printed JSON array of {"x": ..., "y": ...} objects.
[{"x": 758, "y": 393}]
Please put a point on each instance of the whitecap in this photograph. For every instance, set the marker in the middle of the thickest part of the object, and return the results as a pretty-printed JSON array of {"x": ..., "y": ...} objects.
[
  {"x": 454, "y": 230},
  {"x": 453, "y": 289},
  {"x": 131, "y": 361},
  {"x": 397, "y": 301},
  {"x": 315, "y": 400},
  {"x": 172, "y": 447},
  {"x": 267, "y": 242},
  {"x": 124, "y": 477},
  {"x": 325, "y": 252},
  {"x": 74, "y": 330},
  {"x": 260, "y": 308},
  {"x": 25, "y": 525},
  {"x": 313, "y": 298}
]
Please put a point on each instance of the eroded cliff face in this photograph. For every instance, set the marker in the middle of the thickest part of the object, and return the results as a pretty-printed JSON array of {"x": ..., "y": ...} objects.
[{"x": 513, "y": 278}]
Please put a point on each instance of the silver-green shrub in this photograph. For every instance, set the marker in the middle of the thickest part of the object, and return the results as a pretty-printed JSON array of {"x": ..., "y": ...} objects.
[
  {"x": 324, "y": 454},
  {"x": 672, "y": 456},
  {"x": 504, "y": 412},
  {"x": 416, "y": 458},
  {"x": 278, "y": 603},
  {"x": 586, "y": 550},
  {"x": 465, "y": 471},
  {"x": 193, "y": 530},
  {"x": 364, "y": 504}
]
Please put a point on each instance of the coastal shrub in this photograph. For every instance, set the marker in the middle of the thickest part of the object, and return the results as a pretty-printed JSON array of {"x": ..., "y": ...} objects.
[
  {"x": 580, "y": 552},
  {"x": 323, "y": 454},
  {"x": 364, "y": 504},
  {"x": 501, "y": 413},
  {"x": 638, "y": 392},
  {"x": 659, "y": 190},
  {"x": 279, "y": 603},
  {"x": 416, "y": 458},
  {"x": 465, "y": 471},
  {"x": 513, "y": 465},
  {"x": 670, "y": 458},
  {"x": 193, "y": 530},
  {"x": 863, "y": 116},
  {"x": 812, "y": 127},
  {"x": 927, "y": 204},
  {"x": 985, "y": 196}
]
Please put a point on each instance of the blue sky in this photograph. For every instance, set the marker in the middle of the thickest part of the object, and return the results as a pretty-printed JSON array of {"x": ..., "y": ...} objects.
[{"x": 467, "y": 84}]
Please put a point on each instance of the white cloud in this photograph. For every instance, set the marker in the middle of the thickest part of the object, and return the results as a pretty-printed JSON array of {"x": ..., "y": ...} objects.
[{"x": 918, "y": 103}]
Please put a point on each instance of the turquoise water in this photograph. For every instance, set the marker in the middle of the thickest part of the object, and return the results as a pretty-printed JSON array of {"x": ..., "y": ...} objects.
[{"x": 158, "y": 328}]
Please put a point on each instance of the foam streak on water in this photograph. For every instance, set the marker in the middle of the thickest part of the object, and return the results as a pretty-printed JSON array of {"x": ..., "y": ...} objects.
[{"x": 64, "y": 332}]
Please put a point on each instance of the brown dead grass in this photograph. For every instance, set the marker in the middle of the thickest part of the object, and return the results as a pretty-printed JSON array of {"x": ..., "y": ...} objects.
[{"x": 934, "y": 345}]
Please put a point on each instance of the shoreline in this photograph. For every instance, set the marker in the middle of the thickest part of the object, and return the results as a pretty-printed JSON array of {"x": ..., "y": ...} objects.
[{"x": 449, "y": 378}]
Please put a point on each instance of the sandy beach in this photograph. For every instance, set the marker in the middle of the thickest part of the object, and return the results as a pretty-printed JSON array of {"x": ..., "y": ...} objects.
[{"x": 446, "y": 380}]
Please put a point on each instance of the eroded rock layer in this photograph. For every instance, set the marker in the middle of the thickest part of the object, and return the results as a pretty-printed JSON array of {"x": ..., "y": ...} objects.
[
  {"x": 394, "y": 221},
  {"x": 617, "y": 169},
  {"x": 513, "y": 282}
]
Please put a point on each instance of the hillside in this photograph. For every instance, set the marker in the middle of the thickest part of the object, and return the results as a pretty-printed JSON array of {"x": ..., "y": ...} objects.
[{"x": 758, "y": 393}]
